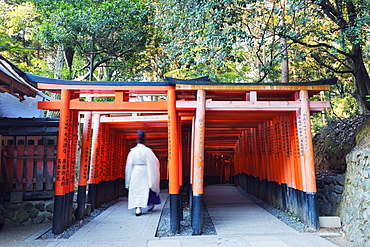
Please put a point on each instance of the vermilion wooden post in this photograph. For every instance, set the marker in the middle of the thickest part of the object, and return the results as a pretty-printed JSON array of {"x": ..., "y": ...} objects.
[
  {"x": 71, "y": 162},
  {"x": 270, "y": 151},
  {"x": 236, "y": 150},
  {"x": 290, "y": 147},
  {"x": 84, "y": 166},
  {"x": 122, "y": 157},
  {"x": 61, "y": 167},
  {"x": 256, "y": 158},
  {"x": 246, "y": 157},
  {"x": 296, "y": 155},
  {"x": 309, "y": 161},
  {"x": 94, "y": 165},
  {"x": 198, "y": 182},
  {"x": 114, "y": 163},
  {"x": 192, "y": 154},
  {"x": 275, "y": 155},
  {"x": 264, "y": 144},
  {"x": 173, "y": 161},
  {"x": 298, "y": 160},
  {"x": 244, "y": 166},
  {"x": 239, "y": 156},
  {"x": 260, "y": 145},
  {"x": 248, "y": 151},
  {"x": 180, "y": 147},
  {"x": 103, "y": 190},
  {"x": 282, "y": 151},
  {"x": 308, "y": 166}
]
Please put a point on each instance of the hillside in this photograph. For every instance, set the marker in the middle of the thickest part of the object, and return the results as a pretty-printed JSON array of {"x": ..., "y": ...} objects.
[{"x": 334, "y": 141}]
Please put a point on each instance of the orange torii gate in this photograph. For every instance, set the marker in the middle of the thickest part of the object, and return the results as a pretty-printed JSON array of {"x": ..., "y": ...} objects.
[{"x": 256, "y": 135}]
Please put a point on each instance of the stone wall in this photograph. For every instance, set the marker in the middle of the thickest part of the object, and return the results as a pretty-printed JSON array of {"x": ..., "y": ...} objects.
[
  {"x": 26, "y": 213},
  {"x": 329, "y": 193},
  {"x": 355, "y": 204}
]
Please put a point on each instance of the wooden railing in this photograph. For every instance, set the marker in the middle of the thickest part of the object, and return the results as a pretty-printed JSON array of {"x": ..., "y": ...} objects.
[{"x": 27, "y": 163}]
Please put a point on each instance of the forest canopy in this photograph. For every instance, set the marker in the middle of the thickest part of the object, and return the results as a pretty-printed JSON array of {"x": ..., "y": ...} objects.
[{"x": 231, "y": 41}]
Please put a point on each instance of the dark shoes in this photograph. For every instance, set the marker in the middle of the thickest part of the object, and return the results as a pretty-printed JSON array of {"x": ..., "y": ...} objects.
[
  {"x": 138, "y": 211},
  {"x": 150, "y": 207}
]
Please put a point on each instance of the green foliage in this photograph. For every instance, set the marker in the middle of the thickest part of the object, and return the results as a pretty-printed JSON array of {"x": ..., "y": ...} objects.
[
  {"x": 201, "y": 36},
  {"x": 232, "y": 41},
  {"x": 242, "y": 40},
  {"x": 18, "y": 42},
  {"x": 111, "y": 31}
]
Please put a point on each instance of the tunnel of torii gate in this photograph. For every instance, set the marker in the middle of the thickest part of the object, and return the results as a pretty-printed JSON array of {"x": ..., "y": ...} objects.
[{"x": 257, "y": 136}]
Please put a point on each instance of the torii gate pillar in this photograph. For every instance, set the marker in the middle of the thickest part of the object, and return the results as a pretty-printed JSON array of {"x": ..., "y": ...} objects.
[
  {"x": 198, "y": 170},
  {"x": 173, "y": 162}
]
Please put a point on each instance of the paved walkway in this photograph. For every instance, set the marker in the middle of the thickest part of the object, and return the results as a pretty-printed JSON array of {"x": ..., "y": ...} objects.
[{"x": 238, "y": 222}]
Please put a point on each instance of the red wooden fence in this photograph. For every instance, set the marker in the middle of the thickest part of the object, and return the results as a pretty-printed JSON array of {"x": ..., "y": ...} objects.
[{"x": 28, "y": 163}]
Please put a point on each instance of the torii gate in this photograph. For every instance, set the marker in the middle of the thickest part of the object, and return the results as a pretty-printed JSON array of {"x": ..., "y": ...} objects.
[{"x": 264, "y": 129}]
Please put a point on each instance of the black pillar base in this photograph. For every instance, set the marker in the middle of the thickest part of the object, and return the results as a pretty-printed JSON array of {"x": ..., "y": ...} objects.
[
  {"x": 313, "y": 218},
  {"x": 58, "y": 217},
  {"x": 196, "y": 216},
  {"x": 174, "y": 214},
  {"x": 69, "y": 215},
  {"x": 92, "y": 196},
  {"x": 181, "y": 213},
  {"x": 81, "y": 201}
]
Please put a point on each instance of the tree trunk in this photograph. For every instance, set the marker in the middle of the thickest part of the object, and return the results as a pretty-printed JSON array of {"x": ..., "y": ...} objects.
[
  {"x": 58, "y": 66},
  {"x": 284, "y": 48},
  {"x": 68, "y": 55},
  {"x": 59, "y": 62},
  {"x": 362, "y": 79}
]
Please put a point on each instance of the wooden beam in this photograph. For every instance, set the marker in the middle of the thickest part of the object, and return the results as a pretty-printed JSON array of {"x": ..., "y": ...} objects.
[
  {"x": 272, "y": 106},
  {"x": 253, "y": 106},
  {"x": 106, "y": 106},
  {"x": 248, "y": 87}
]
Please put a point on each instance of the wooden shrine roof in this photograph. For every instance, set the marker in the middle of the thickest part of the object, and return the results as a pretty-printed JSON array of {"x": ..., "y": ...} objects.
[{"x": 13, "y": 81}]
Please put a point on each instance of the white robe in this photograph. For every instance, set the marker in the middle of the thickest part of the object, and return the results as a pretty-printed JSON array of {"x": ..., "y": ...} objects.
[{"x": 142, "y": 174}]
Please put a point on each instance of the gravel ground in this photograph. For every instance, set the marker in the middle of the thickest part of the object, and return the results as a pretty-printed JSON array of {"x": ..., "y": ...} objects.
[
  {"x": 163, "y": 229},
  {"x": 78, "y": 224},
  {"x": 284, "y": 217},
  {"x": 208, "y": 227}
]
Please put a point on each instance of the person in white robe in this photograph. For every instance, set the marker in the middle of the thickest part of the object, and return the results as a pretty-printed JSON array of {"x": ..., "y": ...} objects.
[{"x": 142, "y": 175}]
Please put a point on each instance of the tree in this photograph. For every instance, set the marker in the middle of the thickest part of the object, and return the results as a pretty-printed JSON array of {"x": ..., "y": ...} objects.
[
  {"x": 102, "y": 32},
  {"x": 335, "y": 33},
  {"x": 230, "y": 40},
  {"x": 201, "y": 37},
  {"x": 18, "y": 41}
]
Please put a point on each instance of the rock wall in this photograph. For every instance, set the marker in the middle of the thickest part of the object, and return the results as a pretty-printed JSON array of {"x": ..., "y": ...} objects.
[
  {"x": 26, "y": 213},
  {"x": 355, "y": 204},
  {"x": 329, "y": 193},
  {"x": 334, "y": 141}
]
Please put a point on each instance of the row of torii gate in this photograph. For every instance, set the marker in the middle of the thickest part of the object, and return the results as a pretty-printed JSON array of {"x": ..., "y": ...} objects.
[{"x": 257, "y": 136}]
